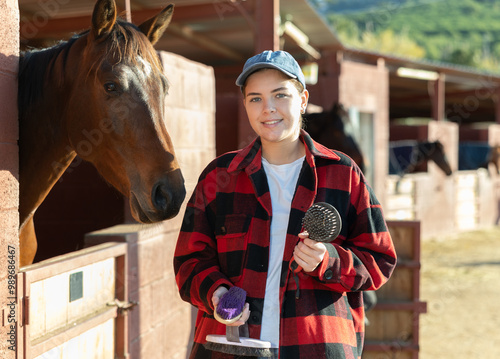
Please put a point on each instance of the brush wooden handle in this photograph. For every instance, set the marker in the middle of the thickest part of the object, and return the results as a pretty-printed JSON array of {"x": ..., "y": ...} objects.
[{"x": 227, "y": 321}]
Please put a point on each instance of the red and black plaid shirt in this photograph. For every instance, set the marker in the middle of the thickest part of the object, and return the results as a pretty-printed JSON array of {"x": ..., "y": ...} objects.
[{"x": 224, "y": 240}]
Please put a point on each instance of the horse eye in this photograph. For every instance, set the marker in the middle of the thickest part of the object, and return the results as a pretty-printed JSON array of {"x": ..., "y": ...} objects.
[{"x": 110, "y": 87}]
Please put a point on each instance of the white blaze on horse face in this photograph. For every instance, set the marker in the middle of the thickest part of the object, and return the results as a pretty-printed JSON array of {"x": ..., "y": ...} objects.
[
  {"x": 147, "y": 68},
  {"x": 159, "y": 123}
]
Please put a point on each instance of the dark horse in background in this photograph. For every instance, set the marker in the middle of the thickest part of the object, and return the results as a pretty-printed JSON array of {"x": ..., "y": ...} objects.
[
  {"x": 409, "y": 156},
  {"x": 474, "y": 155},
  {"x": 330, "y": 129},
  {"x": 100, "y": 96}
]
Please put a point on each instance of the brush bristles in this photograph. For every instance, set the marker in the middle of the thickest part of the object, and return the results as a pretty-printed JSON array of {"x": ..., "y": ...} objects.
[
  {"x": 322, "y": 222},
  {"x": 239, "y": 350},
  {"x": 231, "y": 303}
]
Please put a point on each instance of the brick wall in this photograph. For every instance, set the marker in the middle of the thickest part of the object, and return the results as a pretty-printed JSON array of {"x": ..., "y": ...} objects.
[
  {"x": 161, "y": 325},
  {"x": 9, "y": 194}
]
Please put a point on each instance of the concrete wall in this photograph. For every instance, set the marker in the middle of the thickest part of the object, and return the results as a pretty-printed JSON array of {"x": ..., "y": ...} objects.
[
  {"x": 9, "y": 194},
  {"x": 161, "y": 325}
]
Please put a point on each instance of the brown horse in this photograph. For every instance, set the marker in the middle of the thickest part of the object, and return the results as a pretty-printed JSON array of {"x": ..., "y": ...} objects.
[
  {"x": 100, "y": 96},
  {"x": 328, "y": 128}
]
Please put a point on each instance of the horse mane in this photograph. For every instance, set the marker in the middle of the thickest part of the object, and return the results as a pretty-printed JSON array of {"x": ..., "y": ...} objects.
[
  {"x": 121, "y": 43},
  {"x": 34, "y": 67}
]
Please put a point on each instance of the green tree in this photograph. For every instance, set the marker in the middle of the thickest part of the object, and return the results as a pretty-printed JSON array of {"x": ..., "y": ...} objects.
[{"x": 462, "y": 32}]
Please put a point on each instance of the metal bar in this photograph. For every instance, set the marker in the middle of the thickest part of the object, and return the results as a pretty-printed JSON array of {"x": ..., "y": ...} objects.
[
  {"x": 121, "y": 321},
  {"x": 22, "y": 333},
  {"x": 415, "y": 306}
]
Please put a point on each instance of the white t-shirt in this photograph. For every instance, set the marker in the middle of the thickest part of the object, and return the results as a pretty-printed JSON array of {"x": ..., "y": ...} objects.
[{"x": 282, "y": 180}]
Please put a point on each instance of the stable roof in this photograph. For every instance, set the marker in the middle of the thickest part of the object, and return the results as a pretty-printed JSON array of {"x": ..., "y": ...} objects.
[{"x": 223, "y": 33}]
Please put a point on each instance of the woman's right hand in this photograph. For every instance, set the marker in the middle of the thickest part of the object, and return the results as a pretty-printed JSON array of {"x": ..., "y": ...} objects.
[{"x": 219, "y": 292}]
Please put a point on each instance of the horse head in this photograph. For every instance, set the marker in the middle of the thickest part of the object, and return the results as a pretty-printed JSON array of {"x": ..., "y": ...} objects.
[
  {"x": 115, "y": 113},
  {"x": 99, "y": 95},
  {"x": 436, "y": 152},
  {"x": 330, "y": 128}
]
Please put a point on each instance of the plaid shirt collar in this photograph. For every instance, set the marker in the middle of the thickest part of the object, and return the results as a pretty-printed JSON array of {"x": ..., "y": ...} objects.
[{"x": 250, "y": 157}]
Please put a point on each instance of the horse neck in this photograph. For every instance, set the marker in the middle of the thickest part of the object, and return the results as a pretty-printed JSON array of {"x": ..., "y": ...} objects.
[
  {"x": 494, "y": 157},
  {"x": 417, "y": 156},
  {"x": 39, "y": 170},
  {"x": 44, "y": 148},
  {"x": 434, "y": 153}
]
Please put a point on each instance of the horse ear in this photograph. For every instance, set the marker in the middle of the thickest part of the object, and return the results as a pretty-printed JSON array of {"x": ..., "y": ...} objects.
[
  {"x": 154, "y": 27},
  {"x": 103, "y": 17}
]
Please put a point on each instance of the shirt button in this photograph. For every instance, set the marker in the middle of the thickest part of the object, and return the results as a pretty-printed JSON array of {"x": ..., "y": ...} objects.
[
  {"x": 255, "y": 318},
  {"x": 328, "y": 274}
]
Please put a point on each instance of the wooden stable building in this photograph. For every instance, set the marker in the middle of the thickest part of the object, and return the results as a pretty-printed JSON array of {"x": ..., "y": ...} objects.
[
  {"x": 209, "y": 40},
  {"x": 376, "y": 89}
]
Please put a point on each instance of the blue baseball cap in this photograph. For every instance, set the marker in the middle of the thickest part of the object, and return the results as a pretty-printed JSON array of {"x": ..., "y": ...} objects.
[{"x": 279, "y": 60}]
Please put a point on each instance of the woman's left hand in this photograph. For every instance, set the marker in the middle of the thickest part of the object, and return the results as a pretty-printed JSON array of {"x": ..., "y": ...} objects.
[
  {"x": 308, "y": 253},
  {"x": 219, "y": 292}
]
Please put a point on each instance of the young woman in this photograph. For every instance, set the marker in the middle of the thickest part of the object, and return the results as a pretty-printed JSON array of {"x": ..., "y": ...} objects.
[{"x": 242, "y": 227}]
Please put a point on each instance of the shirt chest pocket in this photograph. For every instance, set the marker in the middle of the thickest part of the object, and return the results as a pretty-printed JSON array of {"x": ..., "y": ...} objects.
[{"x": 232, "y": 242}]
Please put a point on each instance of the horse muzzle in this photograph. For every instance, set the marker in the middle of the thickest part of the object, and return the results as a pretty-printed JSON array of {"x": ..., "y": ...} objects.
[{"x": 166, "y": 198}]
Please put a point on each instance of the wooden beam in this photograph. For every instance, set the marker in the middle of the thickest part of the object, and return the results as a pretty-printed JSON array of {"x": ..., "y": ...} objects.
[
  {"x": 300, "y": 39},
  {"x": 43, "y": 26},
  {"x": 204, "y": 42},
  {"x": 488, "y": 93},
  {"x": 217, "y": 10},
  {"x": 267, "y": 20}
]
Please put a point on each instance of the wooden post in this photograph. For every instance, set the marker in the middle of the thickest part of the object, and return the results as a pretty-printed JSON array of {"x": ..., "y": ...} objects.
[
  {"x": 329, "y": 72},
  {"x": 128, "y": 15},
  {"x": 438, "y": 98},
  {"x": 267, "y": 20},
  {"x": 497, "y": 105},
  {"x": 266, "y": 37}
]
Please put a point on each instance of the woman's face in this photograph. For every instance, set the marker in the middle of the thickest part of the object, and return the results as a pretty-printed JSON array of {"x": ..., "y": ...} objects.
[{"x": 274, "y": 105}]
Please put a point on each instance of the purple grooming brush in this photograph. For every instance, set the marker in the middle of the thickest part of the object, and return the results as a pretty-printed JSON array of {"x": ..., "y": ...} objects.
[
  {"x": 228, "y": 311},
  {"x": 231, "y": 305}
]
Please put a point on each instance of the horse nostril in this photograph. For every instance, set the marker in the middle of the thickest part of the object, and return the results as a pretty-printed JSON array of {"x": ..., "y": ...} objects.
[
  {"x": 167, "y": 196},
  {"x": 161, "y": 197}
]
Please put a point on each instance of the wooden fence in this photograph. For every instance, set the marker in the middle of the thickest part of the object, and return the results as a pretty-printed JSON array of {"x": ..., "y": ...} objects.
[
  {"x": 69, "y": 305},
  {"x": 393, "y": 331}
]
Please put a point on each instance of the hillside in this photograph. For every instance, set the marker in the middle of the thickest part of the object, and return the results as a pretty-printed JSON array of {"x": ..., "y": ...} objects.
[{"x": 465, "y": 32}]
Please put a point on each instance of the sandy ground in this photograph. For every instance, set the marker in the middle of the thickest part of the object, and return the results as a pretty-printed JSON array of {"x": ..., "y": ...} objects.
[{"x": 460, "y": 281}]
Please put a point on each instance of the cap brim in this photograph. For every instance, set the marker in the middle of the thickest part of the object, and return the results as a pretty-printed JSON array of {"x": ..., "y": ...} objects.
[{"x": 240, "y": 81}]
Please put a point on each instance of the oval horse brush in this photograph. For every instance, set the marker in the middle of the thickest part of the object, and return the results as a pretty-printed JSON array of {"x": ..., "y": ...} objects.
[
  {"x": 230, "y": 307},
  {"x": 322, "y": 222}
]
